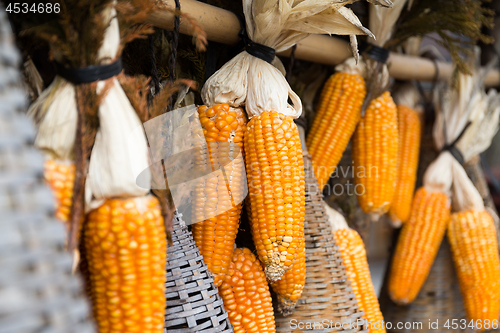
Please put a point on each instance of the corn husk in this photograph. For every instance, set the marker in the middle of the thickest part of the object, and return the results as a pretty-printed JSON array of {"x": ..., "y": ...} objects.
[
  {"x": 477, "y": 139},
  {"x": 120, "y": 152},
  {"x": 408, "y": 95},
  {"x": 457, "y": 106},
  {"x": 382, "y": 21},
  {"x": 280, "y": 24},
  {"x": 55, "y": 114},
  {"x": 352, "y": 66},
  {"x": 337, "y": 220}
]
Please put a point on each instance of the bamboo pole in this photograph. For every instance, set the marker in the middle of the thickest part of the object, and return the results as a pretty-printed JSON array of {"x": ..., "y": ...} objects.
[{"x": 222, "y": 26}]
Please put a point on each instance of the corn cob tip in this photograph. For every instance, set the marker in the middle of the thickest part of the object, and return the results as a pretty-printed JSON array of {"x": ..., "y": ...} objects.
[
  {"x": 285, "y": 305},
  {"x": 374, "y": 217},
  {"x": 395, "y": 222},
  {"x": 399, "y": 301}
]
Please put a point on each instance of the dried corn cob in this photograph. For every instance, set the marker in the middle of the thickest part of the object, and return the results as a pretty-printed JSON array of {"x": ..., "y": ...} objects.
[
  {"x": 60, "y": 176},
  {"x": 125, "y": 243},
  {"x": 217, "y": 208},
  {"x": 375, "y": 154},
  {"x": 418, "y": 244},
  {"x": 289, "y": 288},
  {"x": 352, "y": 250},
  {"x": 246, "y": 295},
  {"x": 409, "y": 148},
  {"x": 475, "y": 254},
  {"x": 339, "y": 111},
  {"x": 275, "y": 174}
]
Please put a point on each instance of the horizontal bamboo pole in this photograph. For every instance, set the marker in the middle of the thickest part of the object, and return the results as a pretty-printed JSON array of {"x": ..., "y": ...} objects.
[{"x": 222, "y": 26}]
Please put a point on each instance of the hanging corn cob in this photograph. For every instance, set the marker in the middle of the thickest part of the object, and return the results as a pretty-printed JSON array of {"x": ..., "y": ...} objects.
[
  {"x": 274, "y": 163},
  {"x": 353, "y": 254},
  {"x": 60, "y": 176},
  {"x": 472, "y": 232},
  {"x": 57, "y": 145},
  {"x": 375, "y": 141},
  {"x": 277, "y": 225},
  {"x": 418, "y": 243},
  {"x": 337, "y": 114},
  {"x": 409, "y": 128},
  {"x": 246, "y": 294},
  {"x": 327, "y": 291},
  {"x": 218, "y": 210},
  {"x": 124, "y": 234},
  {"x": 475, "y": 252},
  {"x": 141, "y": 251},
  {"x": 429, "y": 217},
  {"x": 126, "y": 251},
  {"x": 375, "y": 151}
]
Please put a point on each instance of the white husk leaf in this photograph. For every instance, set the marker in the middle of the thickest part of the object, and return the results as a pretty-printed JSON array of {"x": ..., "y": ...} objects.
[
  {"x": 337, "y": 220},
  {"x": 55, "y": 113},
  {"x": 484, "y": 126},
  {"x": 382, "y": 21},
  {"x": 439, "y": 174},
  {"x": 465, "y": 194},
  {"x": 452, "y": 110},
  {"x": 407, "y": 94},
  {"x": 33, "y": 76},
  {"x": 280, "y": 24},
  {"x": 385, "y": 3},
  {"x": 351, "y": 67},
  {"x": 353, "y": 41},
  {"x": 120, "y": 151},
  {"x": 456, "y": 107}
]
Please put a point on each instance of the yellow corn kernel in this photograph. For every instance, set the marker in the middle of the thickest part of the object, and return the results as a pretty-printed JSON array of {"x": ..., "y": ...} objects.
[
  {"x": 214, "y": 199},
  {"x": 473, "y": 241},
  {"x": 125, "y": 244},
  {"x": 338, "y": 113},
  {"x": 275, "y": 175},
  {"x": 375, "y": 155},
  {"x": 246, "y": 295},
  {"x": 418, "y": 244},
  {"x": 409, "y": 149},
  {"x": 60, "y": 176},
  {"x": 353, "y": 253}
]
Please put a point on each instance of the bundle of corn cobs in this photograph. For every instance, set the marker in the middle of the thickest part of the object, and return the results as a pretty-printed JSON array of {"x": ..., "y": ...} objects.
[{"x": 95, "y": 148}]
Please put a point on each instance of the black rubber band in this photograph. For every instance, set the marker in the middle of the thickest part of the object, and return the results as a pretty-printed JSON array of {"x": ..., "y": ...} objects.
[
  {"x": 454, "y": 151},
  {"x": 260, "y": 51},
  {"x": 375, "y": 52},
  {"x": 90, "y": 73}
]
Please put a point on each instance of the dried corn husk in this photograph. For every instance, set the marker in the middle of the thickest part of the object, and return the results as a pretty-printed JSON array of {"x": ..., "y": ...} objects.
[
  {"x": 382, "y": 21},
  {"x": 120, "y": 151},
  {"x": 55, "y": 109},
  {"x": 280, "y": 24},
  {"x": 457, "y": 106},
  {"x": 477, "y": 138},
  {"x": 408, "y": 95}
]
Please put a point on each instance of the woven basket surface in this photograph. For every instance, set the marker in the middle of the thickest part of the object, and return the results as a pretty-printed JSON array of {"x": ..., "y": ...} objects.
[
  {"x": 193, "y": 302},
  {"x": 38, "y": 293},
  {"x": 327, "y": 296}
]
